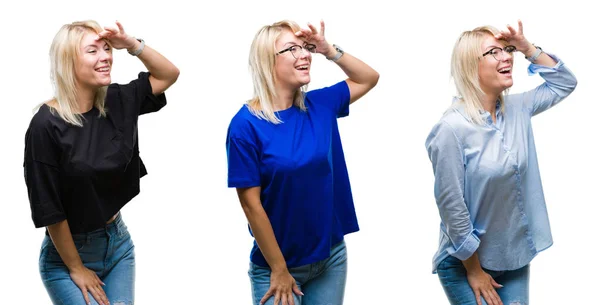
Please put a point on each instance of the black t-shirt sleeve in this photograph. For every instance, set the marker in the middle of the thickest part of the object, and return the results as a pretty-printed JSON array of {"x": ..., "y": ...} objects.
[
  {"x": 139, "y": 91},
  {"x": 41, "y": 165}
]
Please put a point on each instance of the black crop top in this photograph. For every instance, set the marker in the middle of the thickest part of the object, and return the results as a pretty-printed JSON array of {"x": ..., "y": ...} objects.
[{"x": 87, "y": 174}]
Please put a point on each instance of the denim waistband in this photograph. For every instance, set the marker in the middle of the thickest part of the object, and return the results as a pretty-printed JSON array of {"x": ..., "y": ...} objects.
[{"x": 115, "y": 227}]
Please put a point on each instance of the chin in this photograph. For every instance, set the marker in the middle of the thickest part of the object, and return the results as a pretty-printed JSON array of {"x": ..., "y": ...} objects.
[{"x": 103, "y": 83}]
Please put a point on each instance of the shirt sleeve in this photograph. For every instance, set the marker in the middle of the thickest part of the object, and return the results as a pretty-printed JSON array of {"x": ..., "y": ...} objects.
[
  {"x": 242, "y": 160},
  {"x": 139, "y": 92},
  {"x": 446, "y": 155},
  {"x": 336, "y": 98},
  {"x": 559, "y": 83},
  {"x": 41, "y": 168}
]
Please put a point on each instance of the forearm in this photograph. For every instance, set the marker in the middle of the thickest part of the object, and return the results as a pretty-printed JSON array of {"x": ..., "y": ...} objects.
[
  {"x": 472, "y": 264},
  {"x": 265, "y": 237},
  {"x": 63, "y": 242},
  {"x": 159, "y": 66},
  {"x": 356, "y": 70},
  {"x": 543, "y": 59}
]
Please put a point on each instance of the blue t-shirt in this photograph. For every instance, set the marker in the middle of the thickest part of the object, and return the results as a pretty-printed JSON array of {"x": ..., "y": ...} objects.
[{"x": 300, "y": 167}]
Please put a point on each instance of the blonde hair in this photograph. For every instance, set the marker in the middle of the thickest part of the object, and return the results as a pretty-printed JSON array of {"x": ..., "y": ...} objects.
[
  {"x": 465, "y": 71},
  {"x": 64, "y": 53},
  {"x": 262, "y": 69}
]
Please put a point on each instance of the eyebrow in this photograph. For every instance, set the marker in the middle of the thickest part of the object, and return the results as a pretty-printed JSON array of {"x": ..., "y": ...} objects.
[
  {"x": 492, "y": 47},
  {"x": 95, "y": 45},
  {"x": 292, "y": 43}
]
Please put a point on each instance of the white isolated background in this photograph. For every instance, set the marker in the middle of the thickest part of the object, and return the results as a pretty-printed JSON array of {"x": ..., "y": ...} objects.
[{"x": 192, "y": 242}]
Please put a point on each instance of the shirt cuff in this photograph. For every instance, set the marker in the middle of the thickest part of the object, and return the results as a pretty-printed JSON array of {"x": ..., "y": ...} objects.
[
  {"x": 467, "y": 248},
  {"x": 535, "y": 68}
]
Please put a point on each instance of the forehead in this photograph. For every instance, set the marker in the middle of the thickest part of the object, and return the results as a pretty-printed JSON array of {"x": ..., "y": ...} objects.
[
  {"x": 491, "y": 42},
  {"x": 89, "y": 38},
  {"x": 287, "y": 38}
]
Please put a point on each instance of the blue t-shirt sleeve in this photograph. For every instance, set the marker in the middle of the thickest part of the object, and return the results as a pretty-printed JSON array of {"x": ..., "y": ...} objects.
[
  {"x": 242, "y": 160},
  {"x": 336, "y": 98}
]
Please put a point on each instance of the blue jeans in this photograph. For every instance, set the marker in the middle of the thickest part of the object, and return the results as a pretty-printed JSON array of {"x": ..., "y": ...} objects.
[
  {"x": 108, "y": 251},
  {"x": 453, "y": 277},
  {"x": 323, "y": 282}
]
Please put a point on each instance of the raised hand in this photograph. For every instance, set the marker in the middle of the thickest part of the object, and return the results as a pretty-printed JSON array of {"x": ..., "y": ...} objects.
[{"x": 117, "y": 37}]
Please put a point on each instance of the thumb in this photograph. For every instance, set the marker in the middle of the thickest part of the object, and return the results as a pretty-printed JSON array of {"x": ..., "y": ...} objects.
[
  {"x": 496, "y": 285},
  {"x": 297, "y": 290}
]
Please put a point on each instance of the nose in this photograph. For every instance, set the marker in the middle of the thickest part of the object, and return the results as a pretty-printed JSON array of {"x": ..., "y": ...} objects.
[
  {"x": 506, "y": 56},
  {"x": 303, "y": 53},
  {"x": 105, "y": 55}
]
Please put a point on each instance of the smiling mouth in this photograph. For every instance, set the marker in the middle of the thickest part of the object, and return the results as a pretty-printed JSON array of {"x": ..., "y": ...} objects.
[
  {"x": 506, "y": 70},
  {"x": 103, "y": 69},
  {"x": 302, "y": 68}
]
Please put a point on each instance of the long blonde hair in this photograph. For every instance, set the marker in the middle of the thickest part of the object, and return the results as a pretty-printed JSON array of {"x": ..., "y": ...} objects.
[
  {"x": 465, "y": 71},
  {"x": 262, "y": 68},
  {"x": 64, "y": 53}
]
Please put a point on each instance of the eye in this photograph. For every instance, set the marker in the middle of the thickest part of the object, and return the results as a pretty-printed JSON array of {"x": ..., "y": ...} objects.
[
  {"x": 510, "y": 49},
  {"x": 92, "y": 51},
  {"x": 294, "y": 49},
  {"x": 495, "y": 51},
  {"x": 310, "y": 48}
]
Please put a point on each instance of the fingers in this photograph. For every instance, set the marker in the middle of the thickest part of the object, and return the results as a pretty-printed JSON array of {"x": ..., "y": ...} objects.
[
  {"x": 297, "y": 290},
  {"x": 491, "y": 297},
  {"x": 120, "y": 26},
  {"x": 111, "y": 29},
  {"x": 520, "y": 27},
  {"x": 102, "y": 35},
  {"x": 478, "y": 297},
  {"x": 304, "y": 32},
  {"x": 85, "y": 296},
  {"x": 99, "y": 295},
  {"x": 511, "y": 29},
  {"x": 267, "y": 296},
  {"x": 312, "y": 28},
  {"x": 290, "y": 298},
  {"x": 322, "y": 27}
]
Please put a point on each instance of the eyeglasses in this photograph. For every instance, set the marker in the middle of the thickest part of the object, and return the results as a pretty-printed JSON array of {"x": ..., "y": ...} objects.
[
  {"x": 500, "y": 53},
  {"x": 297, "y": 49}
]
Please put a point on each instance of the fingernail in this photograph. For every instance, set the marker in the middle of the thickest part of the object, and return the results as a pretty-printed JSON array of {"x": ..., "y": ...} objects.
[
  {"x": 501, "y": 285},
  {"x": 301, "y": 293}
]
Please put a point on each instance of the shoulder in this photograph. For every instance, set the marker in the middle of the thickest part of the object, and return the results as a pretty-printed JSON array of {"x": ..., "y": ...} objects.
[
  {"x": 451, "y": 125},
  {"x": 43, "y": 125},
  {"x": 43, "y": 119},
  {"x": 242, "y": 123}
]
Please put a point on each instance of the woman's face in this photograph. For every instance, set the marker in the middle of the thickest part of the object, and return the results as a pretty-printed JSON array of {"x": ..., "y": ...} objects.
[
  {"x": 292, "y": 68},
  {"x": 92, "y": 67},
  {"x": 495, "y": 69}
]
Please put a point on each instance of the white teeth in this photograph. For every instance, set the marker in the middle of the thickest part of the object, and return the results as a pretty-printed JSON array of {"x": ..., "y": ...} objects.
[
  {"x": 504, "y": 70},
  {"x": 302, "y": 67},
  {"x": 102, "y": 70}
]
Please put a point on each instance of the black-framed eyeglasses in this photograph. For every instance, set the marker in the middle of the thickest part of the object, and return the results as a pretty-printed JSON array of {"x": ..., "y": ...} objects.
[
  {"x": 500, "y": 53},
  {"x": 297, "y": 49}
]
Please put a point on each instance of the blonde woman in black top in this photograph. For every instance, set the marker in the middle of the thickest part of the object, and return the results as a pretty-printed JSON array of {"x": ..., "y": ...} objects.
[{"x": 82, "y": 162}]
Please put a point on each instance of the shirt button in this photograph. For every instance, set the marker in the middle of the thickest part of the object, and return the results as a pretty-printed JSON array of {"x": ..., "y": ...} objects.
[{"x": 516, "y": 172}]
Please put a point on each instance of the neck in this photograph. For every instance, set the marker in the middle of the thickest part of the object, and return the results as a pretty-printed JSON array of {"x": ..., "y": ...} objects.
[
  {"x": 85, "y": 99},
  {"x": 284, "y": 98},
  {"x": 489, "y": 104}
]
